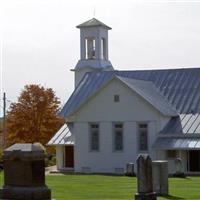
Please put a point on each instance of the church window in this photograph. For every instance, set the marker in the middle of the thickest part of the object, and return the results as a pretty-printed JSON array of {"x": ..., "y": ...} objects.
[
  {"x": 116, "y": 98},
  {"x": 94, "y": 137},
  {"x": 118, "y": 137},
  {"x": 143, "y": 137}
]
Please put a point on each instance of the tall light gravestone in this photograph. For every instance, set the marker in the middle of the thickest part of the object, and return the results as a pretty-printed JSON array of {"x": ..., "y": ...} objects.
[
  {"x": 144, "y": 178},
  {"x": 179, "y": 168},
  {"x": 160, "y": 177},
  {"x": 24, "y": 173}
]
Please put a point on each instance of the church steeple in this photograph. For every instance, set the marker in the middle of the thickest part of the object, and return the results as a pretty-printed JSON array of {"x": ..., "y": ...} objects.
[{"x": 93, "y": 48}]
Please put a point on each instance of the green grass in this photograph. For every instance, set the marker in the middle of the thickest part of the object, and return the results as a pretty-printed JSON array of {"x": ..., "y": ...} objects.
[
  {"x": 91, "y": 187},
  {"x": 115, "y": 187}
]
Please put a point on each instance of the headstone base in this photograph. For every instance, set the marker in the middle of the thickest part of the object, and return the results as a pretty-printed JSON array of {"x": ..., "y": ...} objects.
[
  {"x": 25, "y": 193},
  {"x": 146, "y": 196}
]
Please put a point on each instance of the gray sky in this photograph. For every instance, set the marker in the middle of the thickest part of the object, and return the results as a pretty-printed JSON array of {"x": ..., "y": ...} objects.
[{"x": 40, "y": 43}]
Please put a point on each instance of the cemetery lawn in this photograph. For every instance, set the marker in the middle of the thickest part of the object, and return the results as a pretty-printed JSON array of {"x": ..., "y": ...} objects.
[{"x": 92, "y": 187}]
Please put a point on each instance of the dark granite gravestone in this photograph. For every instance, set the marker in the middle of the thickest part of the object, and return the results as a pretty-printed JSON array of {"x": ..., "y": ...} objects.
[
  {"x": 24, "y": 173},
  {"x": 144, "y": 178}
]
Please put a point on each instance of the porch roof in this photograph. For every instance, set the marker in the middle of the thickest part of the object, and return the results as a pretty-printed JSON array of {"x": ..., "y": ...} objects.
[
  {"x": 64, "y": 136},
  {"x": 177, "y": 143},
  {"x": 187, "y": 124}
]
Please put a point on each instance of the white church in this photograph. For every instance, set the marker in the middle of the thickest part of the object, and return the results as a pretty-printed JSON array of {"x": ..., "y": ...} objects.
[{"x": 112, "y": 116}]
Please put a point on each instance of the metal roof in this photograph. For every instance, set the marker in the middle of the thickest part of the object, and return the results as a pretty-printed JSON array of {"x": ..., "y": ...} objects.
[
  {"x": 181, "y": 132},
  {"x": 97, "y": 64},
  {"x": 64, "y": 136},
  {"x": 177, "y": 144},
  {"x": 180, "y": 87},
  {"x": 148, "y": 91},
  {"x": 93, "y": 22},
  {"x": 184, "y": 124}
]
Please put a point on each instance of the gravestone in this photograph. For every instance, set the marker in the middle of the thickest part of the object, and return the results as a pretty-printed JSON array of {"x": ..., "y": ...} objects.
[
  {"x": 130, "y": 169},
  {"x": 179, "y": 168},
  {"x": 24, "y": 173},
  {"x": 160, "y": 177},
  {"x": 144, "y": 178}
]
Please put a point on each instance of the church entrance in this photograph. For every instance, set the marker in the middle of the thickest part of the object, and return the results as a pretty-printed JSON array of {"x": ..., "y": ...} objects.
[
  {"x": 194, "y": 161},
  {"x": 69, "y": 156}
]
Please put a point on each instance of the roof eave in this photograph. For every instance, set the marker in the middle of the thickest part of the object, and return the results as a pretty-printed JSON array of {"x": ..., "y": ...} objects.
[{"x": 93, "y": 23}]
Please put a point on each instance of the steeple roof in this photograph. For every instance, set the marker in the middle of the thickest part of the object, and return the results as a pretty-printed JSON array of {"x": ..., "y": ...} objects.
[{"x": 93, "y": 22}]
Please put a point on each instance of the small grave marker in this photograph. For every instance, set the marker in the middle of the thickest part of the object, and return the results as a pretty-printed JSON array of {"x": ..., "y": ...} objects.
[{"x": 179, "y": 168}]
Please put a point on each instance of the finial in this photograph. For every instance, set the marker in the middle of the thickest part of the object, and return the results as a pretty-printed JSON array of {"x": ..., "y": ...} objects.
[{"x": 94, "y": 12}]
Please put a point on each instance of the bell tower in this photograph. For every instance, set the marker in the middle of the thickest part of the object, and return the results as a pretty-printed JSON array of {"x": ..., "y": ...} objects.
[{"x": 93, "y": 49}]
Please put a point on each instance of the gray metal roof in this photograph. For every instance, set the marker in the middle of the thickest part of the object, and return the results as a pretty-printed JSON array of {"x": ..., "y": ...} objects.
[
  {"x": 93, "y": 22},
  {"x": 177, "y": 144},
  {"x": 180, "y": 87},
  {"x": 148, "y": 91},
  {"x": 97, "y": 64},
  {"x": 64, "y": 136},
  {"x": 184, "y": 124},
  {"x": 181, "y": 132}
]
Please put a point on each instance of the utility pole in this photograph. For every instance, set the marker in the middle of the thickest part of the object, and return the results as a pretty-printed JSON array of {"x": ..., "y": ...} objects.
[{"x": 4, "y": 121}]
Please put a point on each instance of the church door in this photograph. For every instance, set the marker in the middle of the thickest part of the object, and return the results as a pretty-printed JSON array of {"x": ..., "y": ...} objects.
[
  {"x": 194, "y": 161},
  {"x": 69, "y": 156}
]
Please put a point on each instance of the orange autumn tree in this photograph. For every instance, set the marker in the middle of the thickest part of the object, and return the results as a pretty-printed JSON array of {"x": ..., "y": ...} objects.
[{"x": 34, "y": 117}]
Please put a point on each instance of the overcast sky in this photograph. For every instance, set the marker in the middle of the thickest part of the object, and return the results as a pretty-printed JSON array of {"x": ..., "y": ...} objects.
[{"x": 40, "y": 44}]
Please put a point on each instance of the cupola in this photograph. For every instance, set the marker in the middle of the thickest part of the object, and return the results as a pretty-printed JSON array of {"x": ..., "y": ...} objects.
[{"x": 93, "y": 48}]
